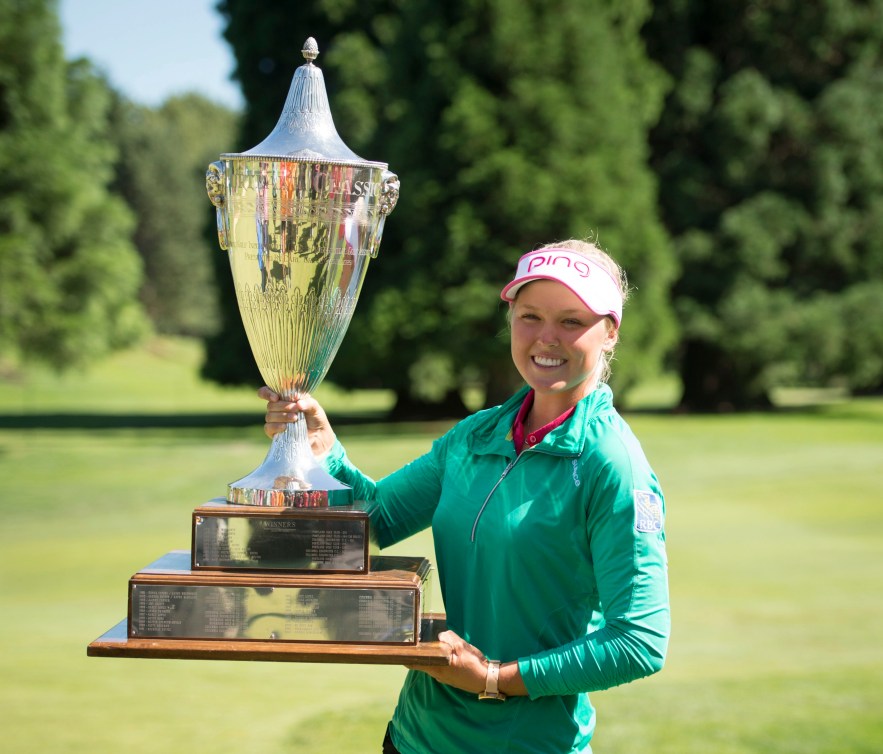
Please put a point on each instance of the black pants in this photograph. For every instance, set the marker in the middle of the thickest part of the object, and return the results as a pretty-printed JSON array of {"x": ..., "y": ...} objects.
[{"x": 388, "y": 747}]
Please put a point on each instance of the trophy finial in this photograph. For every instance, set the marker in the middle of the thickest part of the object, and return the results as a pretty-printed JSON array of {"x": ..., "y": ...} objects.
[
  {"x": 305, "y": 129},
  {"x": 310, "y": 50}
]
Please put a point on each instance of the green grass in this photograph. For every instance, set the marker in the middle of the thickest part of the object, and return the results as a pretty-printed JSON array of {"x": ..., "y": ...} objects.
[{"x": 775, "y": 534}]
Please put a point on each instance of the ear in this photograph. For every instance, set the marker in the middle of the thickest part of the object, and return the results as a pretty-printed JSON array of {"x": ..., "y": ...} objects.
[{"x": 612, "y": 337}]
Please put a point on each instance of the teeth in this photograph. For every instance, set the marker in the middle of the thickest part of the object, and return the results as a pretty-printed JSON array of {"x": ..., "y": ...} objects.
[{"x": 545, "y": 361}]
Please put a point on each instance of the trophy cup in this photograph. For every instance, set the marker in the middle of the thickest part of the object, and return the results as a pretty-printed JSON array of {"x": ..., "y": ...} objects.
[
  {"x": 300, "y": 216},
  {"x": 281, "y": 569}
]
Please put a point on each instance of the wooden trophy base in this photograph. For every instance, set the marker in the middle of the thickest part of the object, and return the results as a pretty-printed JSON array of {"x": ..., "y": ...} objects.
[
  {"x": 279, "y": 585},
  {"x": 429, "y": 651}
]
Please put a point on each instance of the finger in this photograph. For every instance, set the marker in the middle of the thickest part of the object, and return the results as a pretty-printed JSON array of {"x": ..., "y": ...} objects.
[
  {"x": 307, "y": 404},
  {"x": 449, "y": 637},
  {"x": 268, "y": 394},
  {"x": 283, "y": 412},
  {"x": 454, "y": 642},
  {"x": 276, "y": 423},
  {"x": 273, "y": 428},
  {"x": 314, "y": 413}
]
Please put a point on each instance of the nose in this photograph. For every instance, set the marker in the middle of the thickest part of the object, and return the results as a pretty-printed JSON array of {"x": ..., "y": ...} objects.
[{"x": 548, "y": 336}]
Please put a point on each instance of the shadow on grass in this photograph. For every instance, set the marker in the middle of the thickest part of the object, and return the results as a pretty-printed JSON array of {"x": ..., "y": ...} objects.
[
  {"x": 355, "y": 730},
  {"x": 861, "y": 410},
  {"x": 96, "y": 421},
  {"x": 125, "y": 421}
]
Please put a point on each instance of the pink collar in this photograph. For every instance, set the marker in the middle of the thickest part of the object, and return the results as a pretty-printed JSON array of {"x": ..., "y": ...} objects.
[{"x": 537, "y": 436}]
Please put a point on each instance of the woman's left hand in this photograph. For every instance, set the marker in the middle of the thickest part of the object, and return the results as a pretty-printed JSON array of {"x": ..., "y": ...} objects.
[{"x": 467, "y": 669}]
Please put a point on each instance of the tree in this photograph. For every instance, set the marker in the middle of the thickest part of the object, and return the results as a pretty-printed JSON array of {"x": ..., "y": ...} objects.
[
  {"x": 510, "y": 124},
  {"x": 770, "y": 154},
  {"x": 68, "y": 270},
  {"x": 163, "y": 155}
]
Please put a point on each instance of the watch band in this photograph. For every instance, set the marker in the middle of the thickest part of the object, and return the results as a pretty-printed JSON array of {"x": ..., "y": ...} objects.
[{"x": 492, "y": 681}]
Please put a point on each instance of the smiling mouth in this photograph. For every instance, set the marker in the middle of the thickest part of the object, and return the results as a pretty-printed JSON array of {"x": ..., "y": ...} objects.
[{"x": 546, "y": 361}]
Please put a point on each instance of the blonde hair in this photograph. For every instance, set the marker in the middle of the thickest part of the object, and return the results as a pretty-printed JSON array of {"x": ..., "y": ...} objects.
[{"x": 592, "y": 251}]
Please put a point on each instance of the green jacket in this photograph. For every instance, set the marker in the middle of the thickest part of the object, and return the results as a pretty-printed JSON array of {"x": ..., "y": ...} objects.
[{"x": 555, "y": 558}]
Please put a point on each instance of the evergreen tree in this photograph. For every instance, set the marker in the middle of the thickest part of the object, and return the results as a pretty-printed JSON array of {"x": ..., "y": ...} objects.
[
  {"x": 163, "y": 155},
  {"x": 770, "y": 155},
  {"x": 510, "y": 124},
  {"x": 68, "y": 271}
]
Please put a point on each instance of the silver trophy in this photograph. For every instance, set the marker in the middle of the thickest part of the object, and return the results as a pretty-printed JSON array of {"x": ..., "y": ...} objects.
[{"x": 300, "y": 216}]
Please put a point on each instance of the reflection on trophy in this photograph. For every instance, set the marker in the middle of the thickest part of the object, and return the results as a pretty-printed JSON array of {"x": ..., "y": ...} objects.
[{"x": 300, "y": 215}]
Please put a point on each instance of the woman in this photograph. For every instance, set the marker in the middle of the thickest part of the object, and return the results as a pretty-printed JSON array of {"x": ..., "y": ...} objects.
[{"x": 548, "y": 529}]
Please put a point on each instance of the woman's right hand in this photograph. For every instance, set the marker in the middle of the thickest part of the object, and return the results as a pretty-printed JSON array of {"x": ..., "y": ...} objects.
[{"x": 280, "y": 413}]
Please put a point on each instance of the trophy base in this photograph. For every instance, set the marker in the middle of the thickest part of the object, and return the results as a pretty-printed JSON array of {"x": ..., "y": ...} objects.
[
  {"x": 169, "y": 600},
  {"x": 305, "y": 540},
  {"x": 429, "y": 651}
]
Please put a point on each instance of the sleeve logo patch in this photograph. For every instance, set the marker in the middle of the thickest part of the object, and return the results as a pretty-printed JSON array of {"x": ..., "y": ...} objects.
[{"x": 648, "y": 511}]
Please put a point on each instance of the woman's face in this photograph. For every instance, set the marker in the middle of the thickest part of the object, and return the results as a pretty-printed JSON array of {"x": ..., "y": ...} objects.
[{"x": 557, "y": 342}]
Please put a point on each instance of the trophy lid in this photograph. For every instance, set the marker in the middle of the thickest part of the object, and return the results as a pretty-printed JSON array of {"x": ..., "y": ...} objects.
[{"x": 305, "y": 130}]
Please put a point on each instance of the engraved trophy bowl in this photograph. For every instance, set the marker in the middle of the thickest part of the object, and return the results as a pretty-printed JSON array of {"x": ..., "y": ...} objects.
[{"x": 300, "y": 216}]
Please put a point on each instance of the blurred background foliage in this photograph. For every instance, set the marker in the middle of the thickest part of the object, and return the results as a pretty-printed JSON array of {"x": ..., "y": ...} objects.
[
  {"x": 730, "y": 155},
  {"x": 770, "y": 155},
  {"x": 163, "y": 156},
  {"x": 510, "y": 126},
  {"x": 69, "y": 274}
]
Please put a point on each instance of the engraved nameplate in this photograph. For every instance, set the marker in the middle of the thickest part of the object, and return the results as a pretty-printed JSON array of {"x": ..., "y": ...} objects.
[
  {"x": 167, "y": 600},
  {"x": 290, "y": 539}
]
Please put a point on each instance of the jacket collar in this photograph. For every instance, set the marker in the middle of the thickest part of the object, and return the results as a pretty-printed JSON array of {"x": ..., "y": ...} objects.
[{"x": 493, "y": 432}]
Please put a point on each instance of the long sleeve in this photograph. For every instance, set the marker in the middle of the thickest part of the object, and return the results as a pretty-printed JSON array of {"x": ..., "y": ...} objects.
[
  {"x": 400, "y": 504},
  {"x": 627, "y": 547}
]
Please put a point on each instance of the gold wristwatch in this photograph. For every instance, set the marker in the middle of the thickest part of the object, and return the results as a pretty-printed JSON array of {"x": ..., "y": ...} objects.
[{"x": 491, "y": 684}]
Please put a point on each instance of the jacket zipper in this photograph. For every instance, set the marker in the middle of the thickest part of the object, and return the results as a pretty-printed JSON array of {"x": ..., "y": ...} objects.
[{"x": 494, "y": 489}]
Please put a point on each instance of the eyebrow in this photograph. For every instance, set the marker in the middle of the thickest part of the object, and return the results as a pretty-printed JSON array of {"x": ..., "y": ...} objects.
[{"x": 565, "y": 312}]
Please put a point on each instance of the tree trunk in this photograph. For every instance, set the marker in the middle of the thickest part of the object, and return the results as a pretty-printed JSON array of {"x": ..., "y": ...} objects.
[
  {"x": 502, "y": 381},
  {"x": 409, "y": 408},
  {"x": 714, "y": 383}
]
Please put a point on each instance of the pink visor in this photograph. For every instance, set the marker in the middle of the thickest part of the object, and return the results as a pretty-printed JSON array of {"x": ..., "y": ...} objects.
[{"x": 591, "y": 283}]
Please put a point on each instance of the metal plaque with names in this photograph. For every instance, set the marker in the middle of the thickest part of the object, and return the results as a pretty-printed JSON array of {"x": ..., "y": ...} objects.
[
  {"x": 169, "y": 600},
  {"x": 241, "y": 537}
]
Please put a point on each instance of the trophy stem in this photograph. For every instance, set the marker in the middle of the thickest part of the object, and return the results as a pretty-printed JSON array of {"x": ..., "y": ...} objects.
[{"x": 289, "y": 476}]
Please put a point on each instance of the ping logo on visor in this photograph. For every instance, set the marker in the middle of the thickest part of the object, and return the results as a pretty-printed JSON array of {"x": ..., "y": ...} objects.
[{"x": 591, "y": 283}]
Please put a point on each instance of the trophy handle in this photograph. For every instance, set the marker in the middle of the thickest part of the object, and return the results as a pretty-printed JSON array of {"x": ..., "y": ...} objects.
[
  {"x": 214, "y": 187},
  {"x": 389, "y": 192}
]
